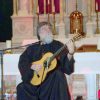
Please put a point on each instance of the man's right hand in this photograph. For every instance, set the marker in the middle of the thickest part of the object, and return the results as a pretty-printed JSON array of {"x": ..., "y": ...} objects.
[{"x": 36, "y": 67}]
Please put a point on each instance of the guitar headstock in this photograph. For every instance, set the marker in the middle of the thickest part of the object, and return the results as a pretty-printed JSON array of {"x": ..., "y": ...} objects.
[{"x": 78, "y": 36}]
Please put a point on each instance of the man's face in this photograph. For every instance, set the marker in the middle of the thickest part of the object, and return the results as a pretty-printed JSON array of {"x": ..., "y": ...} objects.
[{"x": 45, "y": 34}]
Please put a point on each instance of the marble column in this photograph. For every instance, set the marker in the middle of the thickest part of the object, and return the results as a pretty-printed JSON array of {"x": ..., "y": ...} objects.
[{"x": 61, "y": 24}]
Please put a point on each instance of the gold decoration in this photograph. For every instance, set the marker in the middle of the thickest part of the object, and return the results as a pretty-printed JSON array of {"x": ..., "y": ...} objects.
[
  {"x": 76, "y": 22},
  {"x": 54, "y": 27}
]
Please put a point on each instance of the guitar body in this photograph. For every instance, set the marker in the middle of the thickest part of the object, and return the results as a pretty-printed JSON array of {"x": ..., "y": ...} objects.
[{"x": 43, "y": 71}]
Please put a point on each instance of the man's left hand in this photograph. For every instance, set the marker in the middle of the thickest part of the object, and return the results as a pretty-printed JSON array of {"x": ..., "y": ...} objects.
[{"x": 71, "y": 47}]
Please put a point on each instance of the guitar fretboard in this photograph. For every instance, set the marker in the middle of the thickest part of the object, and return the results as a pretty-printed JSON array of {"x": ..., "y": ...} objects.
[{"x": 76, "y": 37}]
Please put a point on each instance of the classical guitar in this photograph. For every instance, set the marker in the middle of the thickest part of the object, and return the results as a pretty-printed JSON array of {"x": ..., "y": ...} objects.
[{"x": 48, "y": 63}]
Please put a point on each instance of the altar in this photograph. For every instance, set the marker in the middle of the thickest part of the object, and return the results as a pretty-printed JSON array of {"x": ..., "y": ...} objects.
[
  {"x": 87, "y": 63},
  {"x": 25, "y": 18}
]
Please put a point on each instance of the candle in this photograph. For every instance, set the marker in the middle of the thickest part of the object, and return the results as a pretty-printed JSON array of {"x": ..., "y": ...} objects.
[
  {"x": 44, "y": 6},
  {"x": 96, "y": 6},
  {"x": 48, "y": 2},
  {"x": 76, "y": 30},
  {"x": 53, "y": 6}
]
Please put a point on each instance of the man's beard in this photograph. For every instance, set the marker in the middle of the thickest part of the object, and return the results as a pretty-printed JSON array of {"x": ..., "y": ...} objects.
[{"x": 48, "y": 38}]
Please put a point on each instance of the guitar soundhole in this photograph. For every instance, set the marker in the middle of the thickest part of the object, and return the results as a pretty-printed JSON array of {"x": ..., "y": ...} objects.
[{"x": 47, "y": 63}]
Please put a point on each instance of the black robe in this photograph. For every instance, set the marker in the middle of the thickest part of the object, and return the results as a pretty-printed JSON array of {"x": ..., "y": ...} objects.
[{"x": 55, "y": 85}]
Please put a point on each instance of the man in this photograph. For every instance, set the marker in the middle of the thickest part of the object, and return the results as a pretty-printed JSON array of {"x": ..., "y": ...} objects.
[{"x": 54, "y": 86}]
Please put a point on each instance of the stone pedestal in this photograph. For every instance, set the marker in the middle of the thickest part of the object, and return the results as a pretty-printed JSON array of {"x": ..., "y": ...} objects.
[{"x": 22, "y": 28}]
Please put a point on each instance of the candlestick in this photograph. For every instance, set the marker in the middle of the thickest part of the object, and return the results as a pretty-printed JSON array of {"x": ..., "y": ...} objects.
[
  {"x": 48, "y": 8},
  {"x": 61, "y": 11},
  {"x": 17, "y": 6},
  {"x": 44, "y": 6},
  {"x": 36, "y": 6},
  {"x": 14, "y": 7},
  {"x": 37, "y": 12},
  {"x": 54, "y": 27},
  {"x": 38, "y": 17}
]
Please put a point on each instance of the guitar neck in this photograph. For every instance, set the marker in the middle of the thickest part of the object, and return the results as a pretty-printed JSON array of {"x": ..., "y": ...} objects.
[
  {"x": 58, "y": 52},
  {"x": 78, "y": 36}
]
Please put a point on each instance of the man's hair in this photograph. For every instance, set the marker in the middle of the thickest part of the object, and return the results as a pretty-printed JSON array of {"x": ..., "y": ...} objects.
[{"x": 40, "y": 25}]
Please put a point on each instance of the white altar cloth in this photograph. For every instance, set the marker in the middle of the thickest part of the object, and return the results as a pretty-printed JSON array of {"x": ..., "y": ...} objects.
[{"x": 87, "y": 63}]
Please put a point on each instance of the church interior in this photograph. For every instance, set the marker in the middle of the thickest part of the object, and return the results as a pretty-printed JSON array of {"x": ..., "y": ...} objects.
[{"x": 18, "y": 29}]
